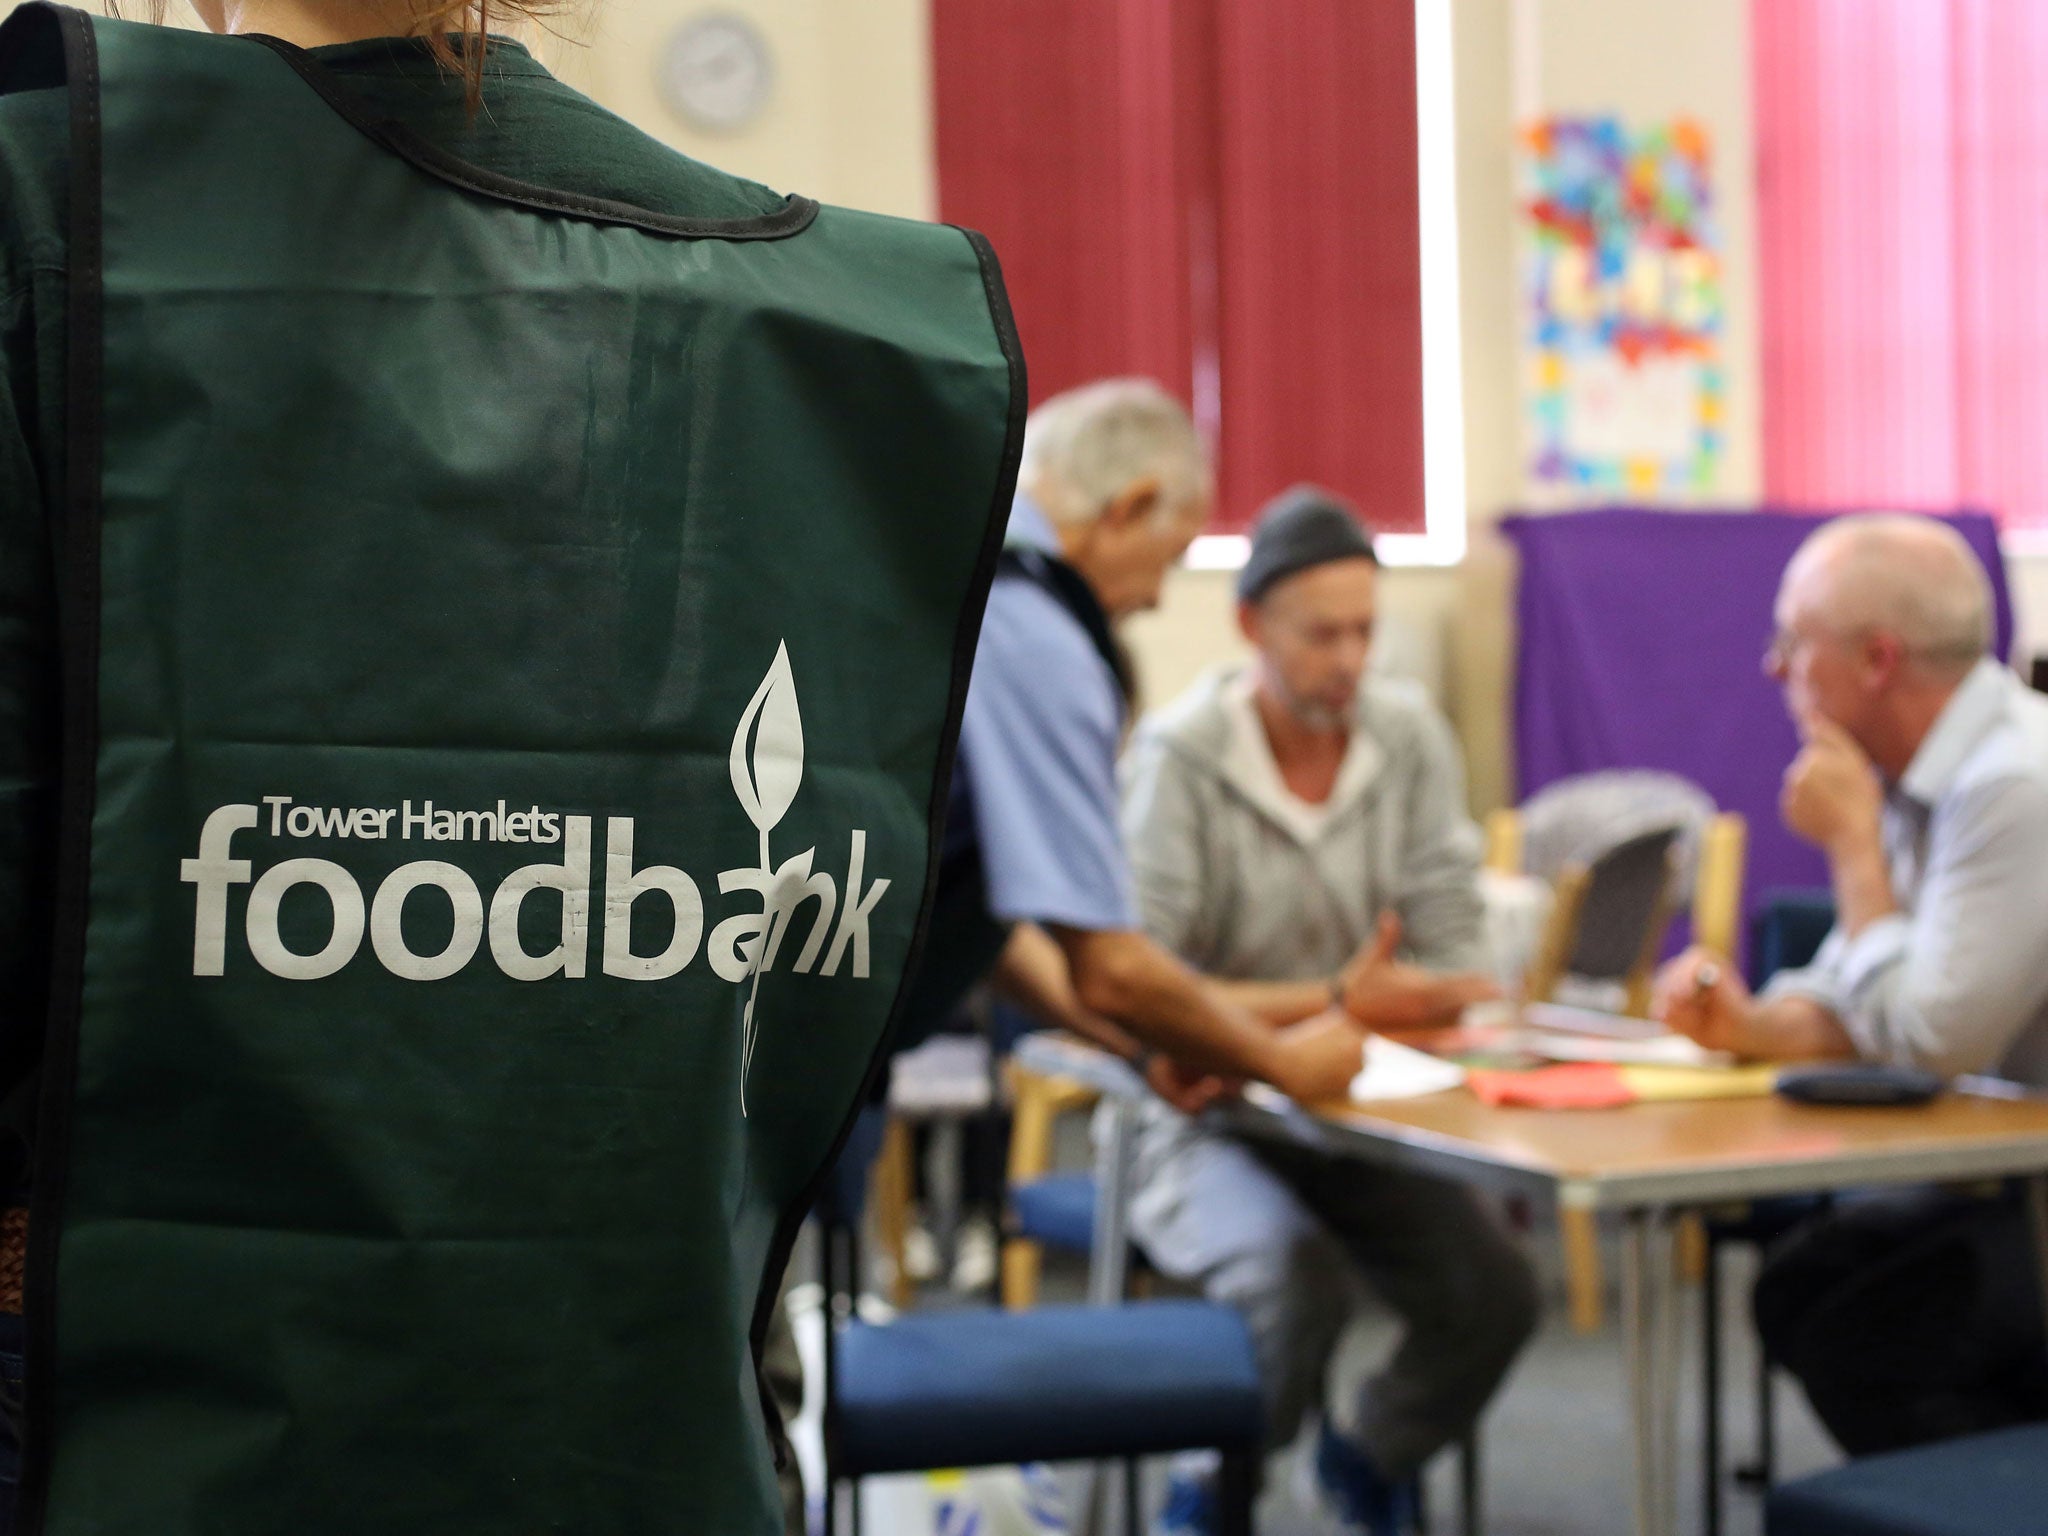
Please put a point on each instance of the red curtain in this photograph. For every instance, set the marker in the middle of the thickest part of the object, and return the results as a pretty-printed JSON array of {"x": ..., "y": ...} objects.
[
  {"x": 1320, "y": 261},
  {"x": 1065, "y": 134},
  {"x": 1218, "y": 193}
]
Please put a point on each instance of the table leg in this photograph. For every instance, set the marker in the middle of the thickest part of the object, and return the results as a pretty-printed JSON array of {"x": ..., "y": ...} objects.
[
  {"x": 1472, "y": 1515},
  {"x": 2037, "y": 1218},
  {"x": 1668, "y": 1254},
  {"x": 1635, "y": 1246},
  {"x": 1710, "y": 1393},
  {"x": 1648, "y": 1314}
]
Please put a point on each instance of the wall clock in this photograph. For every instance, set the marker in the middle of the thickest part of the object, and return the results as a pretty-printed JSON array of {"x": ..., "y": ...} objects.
[{"x": 717, "y": 72}]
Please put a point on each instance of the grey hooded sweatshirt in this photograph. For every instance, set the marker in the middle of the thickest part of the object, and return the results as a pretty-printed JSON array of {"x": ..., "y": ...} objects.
[{"x": 1243, "y": 880}]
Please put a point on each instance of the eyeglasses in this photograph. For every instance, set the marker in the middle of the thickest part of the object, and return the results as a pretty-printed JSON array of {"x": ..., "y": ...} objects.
[
  {"x": 1786, "y": 643},
  {"x": 1779, "y": 652}
]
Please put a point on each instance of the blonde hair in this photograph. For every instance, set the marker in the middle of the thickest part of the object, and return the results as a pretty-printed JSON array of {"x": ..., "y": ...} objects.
[{"x": 452, "y": 31}]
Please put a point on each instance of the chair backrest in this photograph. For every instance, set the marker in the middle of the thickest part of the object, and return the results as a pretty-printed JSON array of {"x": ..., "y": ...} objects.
[
  {"x": 1717, "y": 888},
  {"x": 1580, "y": 818},
  {"x": 1576, "y": 820},
  {"x": 1609, "y": 920},
  {"x": 1628, "y": 894},
  {"x": 1576, "y": 824}
]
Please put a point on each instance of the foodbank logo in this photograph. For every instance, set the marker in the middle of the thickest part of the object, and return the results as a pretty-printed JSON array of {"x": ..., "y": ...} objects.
[{"x": 767, "y": 768}]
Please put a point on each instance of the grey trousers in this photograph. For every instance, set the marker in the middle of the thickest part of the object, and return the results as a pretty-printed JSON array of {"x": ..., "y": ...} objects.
[{"x": 1284, "y": 1235}]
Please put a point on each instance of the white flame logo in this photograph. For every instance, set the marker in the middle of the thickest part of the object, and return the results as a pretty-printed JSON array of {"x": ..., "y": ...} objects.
[{"x": 767, "y": 769}]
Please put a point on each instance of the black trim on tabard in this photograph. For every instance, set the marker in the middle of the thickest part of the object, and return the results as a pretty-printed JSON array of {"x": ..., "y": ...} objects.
[
  {"x": 966, "y": 635},
  {"x": 793, "y": 217},
  {"x": 77, "y": 545}
]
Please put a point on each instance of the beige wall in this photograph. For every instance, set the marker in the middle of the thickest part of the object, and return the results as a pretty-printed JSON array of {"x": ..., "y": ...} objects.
[{"x": 849, "y": 119}]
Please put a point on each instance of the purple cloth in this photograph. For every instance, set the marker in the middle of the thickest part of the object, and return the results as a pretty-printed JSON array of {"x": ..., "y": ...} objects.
[{"x": 1642, "y": 638}]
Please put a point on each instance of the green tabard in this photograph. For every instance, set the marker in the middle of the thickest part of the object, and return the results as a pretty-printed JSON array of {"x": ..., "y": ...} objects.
[{"x": 513, "y": 649}]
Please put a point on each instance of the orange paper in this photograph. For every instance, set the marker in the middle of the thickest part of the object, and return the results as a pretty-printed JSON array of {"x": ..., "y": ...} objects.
[{"x": 1572, "y": 1085}]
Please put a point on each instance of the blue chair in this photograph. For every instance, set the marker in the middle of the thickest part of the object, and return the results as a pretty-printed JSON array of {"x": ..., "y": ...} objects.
[
  {"x": 1993, "y": 1484},
  {"x": 1786, "y": 931},
  {"x": 1057, "y": 1210},
  {"x": 981, "y": 1387},
  {"x": 1043, "y": 1209}
]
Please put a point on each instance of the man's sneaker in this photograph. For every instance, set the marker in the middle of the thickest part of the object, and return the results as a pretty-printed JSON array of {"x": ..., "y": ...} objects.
[
  {"x": 1190, "y": 1507},
  {"x": 920, "y": 1254},
  {"x": 1353, "y": 1491},
  {"x": 976, "y": 1256}
]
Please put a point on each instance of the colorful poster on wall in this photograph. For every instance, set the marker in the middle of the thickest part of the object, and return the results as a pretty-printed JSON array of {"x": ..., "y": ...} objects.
[{"x": 1622, "y": 290}]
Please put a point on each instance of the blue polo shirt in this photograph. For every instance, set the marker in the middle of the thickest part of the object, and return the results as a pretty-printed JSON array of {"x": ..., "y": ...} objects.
[{"x": 1035, "y": 786}]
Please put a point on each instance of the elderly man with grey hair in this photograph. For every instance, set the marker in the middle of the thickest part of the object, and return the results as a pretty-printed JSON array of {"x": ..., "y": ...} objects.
[
  {"x": 1924, "y": 779},
  {"x": 1114, "y": 485}
]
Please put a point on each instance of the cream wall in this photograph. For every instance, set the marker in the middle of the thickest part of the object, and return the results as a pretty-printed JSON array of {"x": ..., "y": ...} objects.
[{"x": 849, "y": 117}]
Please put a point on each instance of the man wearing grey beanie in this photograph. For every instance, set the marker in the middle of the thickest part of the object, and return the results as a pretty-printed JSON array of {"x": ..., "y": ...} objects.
[{"x": 1298, "y": 831}]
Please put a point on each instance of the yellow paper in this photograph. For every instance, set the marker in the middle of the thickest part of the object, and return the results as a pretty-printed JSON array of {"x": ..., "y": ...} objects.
[{"x": 1654, "y": 1083}]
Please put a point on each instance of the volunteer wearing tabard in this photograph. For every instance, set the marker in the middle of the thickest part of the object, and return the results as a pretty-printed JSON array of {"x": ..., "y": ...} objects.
[
  {"x": 1034, "y": 886},
  {"x": 1298, "y": 831},
  {"x": 1923, "y": 777},
  {"x": 458, "y": 864}
]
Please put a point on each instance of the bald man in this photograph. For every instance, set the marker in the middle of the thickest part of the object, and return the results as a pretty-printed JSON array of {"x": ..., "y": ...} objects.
[{"x": 1923, "y": 777}]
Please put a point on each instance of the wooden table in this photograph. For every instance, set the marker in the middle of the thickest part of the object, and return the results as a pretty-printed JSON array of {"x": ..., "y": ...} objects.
[{"x": 1648, "y": 1163}]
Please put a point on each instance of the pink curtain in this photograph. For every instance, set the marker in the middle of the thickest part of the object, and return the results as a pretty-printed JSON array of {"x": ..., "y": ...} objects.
[{"x": 1902, "y": 160}]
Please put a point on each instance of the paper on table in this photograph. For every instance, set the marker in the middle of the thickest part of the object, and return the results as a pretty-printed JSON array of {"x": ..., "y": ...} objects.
[
  {"x": 1588, "y": 1021},
  {"x": 1394, "y": 1071},
  {"x": 1659, "y": 1083},
  {"x": 1571, "y": 1085},
  {"x": 1656, "y": 1051}
]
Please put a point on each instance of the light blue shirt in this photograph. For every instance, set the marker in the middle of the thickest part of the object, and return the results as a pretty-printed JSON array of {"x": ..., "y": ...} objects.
[
  {"x": 1957, "y": 979},
  {"x": 1038, "y": 748}
]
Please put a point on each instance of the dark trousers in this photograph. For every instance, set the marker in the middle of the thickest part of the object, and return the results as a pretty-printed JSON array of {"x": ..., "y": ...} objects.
[{"x": 1909, "y": 1316}]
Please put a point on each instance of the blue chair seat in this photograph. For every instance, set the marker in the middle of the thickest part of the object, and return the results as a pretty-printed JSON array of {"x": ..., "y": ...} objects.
[
  {"x": 1982, "y": 1485},
  {"x": 977, "y": 1387},
  {"x": 1057, "y": 1210},
  {"x": 1786, "y": 929}
]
